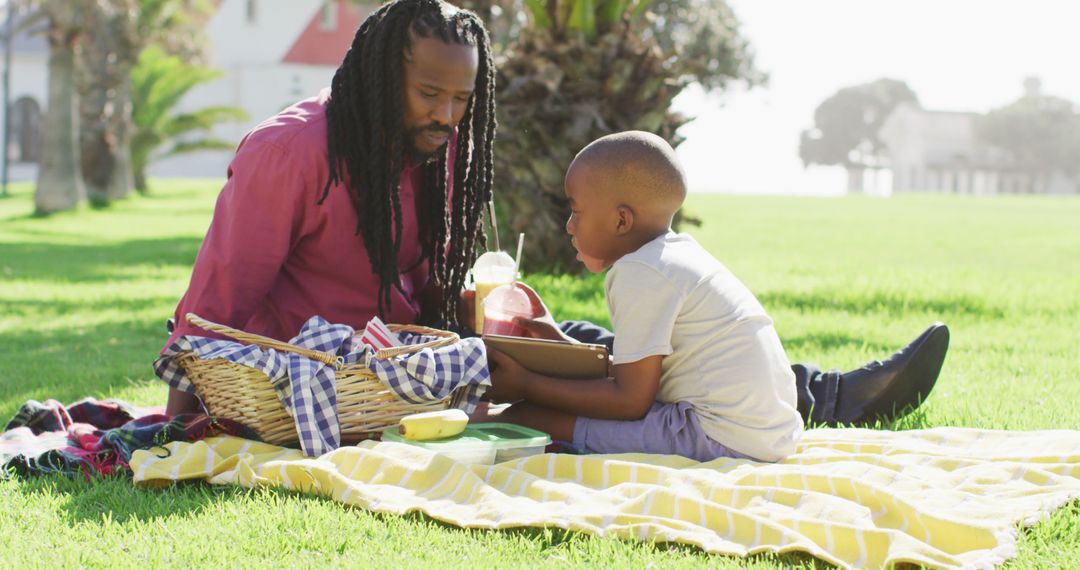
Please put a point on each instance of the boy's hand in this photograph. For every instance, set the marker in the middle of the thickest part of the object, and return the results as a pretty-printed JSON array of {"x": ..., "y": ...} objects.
[
  {"x": 542, "y": 324},
  {"x": 508, "y": 378},
  {"x": 541, "y": 328}
]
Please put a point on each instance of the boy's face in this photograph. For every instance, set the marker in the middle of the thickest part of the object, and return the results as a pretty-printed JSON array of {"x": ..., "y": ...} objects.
[
  {"x": 593, "y": 218},
  {"x": 439, "y": 80}
]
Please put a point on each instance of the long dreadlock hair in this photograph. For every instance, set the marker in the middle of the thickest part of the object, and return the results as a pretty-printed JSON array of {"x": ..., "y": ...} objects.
[{"x": 366, "y": 140}]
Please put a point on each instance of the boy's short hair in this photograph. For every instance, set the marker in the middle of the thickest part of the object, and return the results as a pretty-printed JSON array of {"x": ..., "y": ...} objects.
[{"x": 640, "y": 166}]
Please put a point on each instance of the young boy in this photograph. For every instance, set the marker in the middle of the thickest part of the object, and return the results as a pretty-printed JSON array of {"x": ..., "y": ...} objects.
[{"x": 698, "y": 367}]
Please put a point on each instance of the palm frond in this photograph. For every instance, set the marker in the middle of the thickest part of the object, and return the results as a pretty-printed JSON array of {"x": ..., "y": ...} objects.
[
  {"x": 539, "y": 11},
  {"x": 203, "y": 119},
  {"x": 583, "y": 18},
  {"x": 159, "y": 82},
  {"x": 197, "y": 145}
]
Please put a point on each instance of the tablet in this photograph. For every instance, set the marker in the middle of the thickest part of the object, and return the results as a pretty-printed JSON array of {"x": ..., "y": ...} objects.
[{"x": 556, "y": 358}]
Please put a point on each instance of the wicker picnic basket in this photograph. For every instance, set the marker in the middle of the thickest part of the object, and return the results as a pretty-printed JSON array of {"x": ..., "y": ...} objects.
[{"x": 244, "y": 394}]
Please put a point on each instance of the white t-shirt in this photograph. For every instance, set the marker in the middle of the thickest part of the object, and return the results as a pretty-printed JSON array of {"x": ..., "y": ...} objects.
[{"x": 721, "y": 352}]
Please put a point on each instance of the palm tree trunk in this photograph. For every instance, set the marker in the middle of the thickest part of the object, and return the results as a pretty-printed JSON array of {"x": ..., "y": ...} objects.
[
  {"x": 140, "y": 182},
  {"x": 105, "y": 140},
  {"x": 59, "y": 184},
  {"x": 103, "y": 80},
  {"x": 122, "y": 181}
]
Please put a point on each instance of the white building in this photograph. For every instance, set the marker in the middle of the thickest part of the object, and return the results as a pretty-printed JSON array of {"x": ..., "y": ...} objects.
[
  {"x": 28, "y": 95},
  {"x": 938, "y": 151},
  {"x": 272, "y": 52}
]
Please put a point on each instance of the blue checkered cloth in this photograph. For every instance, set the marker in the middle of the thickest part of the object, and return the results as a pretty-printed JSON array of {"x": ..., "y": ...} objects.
[
  {"x": 433, "y": 374},
  {"x": 307, "y": 387},
  {"x": 311, "y": 393}
]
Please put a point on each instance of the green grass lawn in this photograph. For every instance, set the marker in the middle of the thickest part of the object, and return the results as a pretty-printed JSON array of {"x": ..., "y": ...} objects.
[{"x": 84, "y": 297}]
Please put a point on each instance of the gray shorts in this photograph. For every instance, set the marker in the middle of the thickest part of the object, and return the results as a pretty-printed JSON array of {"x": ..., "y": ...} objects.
[{"x": 669, "y": 429}]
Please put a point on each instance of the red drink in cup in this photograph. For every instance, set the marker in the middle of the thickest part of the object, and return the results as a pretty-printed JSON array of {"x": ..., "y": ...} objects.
[{"x": 502, "y": 305}]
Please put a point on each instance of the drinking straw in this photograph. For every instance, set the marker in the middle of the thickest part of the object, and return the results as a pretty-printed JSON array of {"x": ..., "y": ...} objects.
[
  {"x": 494, "y": 225},
  {"x": 517, "y": 260}
]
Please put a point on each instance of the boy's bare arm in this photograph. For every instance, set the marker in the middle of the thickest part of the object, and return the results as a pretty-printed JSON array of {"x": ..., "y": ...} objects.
[{"x": 626, "y": 396}]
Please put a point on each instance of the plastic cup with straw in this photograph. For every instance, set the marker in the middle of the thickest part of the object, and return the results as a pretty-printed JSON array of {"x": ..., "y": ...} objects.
[
  {"x": 505, "y": 303},
  {"x": 491, "y": 269},
  {"x": 517, "y": 258}
]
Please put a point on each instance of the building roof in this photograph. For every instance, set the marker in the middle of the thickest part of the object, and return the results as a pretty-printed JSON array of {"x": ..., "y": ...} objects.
[{"x": 320, "y": 44}]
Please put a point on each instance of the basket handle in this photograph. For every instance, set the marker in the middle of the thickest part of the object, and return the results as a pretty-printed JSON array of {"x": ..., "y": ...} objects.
[
  {"x": 446, "y": 338},
  {"x": 259, "y": 340}
]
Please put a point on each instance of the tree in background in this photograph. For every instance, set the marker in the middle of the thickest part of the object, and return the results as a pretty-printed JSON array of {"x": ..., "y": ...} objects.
[
  {"x": 102, "y": 80},
  {"x": 846, "y": 125},
  {"x": 1041, "y": 134},
  {"x": 159, "y": 81},
  {"x": 122, "y": 30},
  {"x": 574, "y": 70},
  {"x": 93, "y": 46},
  {"x": 59, "y": 182}
]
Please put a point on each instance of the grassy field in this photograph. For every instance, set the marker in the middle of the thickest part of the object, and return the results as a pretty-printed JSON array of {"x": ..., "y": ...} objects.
[{"x": 84, "y": 297}]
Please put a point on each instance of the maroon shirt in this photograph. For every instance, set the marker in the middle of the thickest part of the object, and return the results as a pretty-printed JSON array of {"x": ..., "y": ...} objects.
[{"x": 273, "y": 257}]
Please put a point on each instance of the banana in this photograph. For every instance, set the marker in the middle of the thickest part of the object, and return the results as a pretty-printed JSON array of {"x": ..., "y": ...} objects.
[{"x": 434, "y": 425}]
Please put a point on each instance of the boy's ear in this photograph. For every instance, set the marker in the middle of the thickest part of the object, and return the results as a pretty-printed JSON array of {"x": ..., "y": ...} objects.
[{"x": 624, "y": 221}]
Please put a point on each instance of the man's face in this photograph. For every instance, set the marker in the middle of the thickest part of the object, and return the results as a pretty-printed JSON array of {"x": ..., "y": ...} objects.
[{"x": 439, "y": 80}]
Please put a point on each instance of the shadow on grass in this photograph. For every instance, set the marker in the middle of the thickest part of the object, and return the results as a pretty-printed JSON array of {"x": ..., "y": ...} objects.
[
  {"x": 830, "y": 341},
  {"x": 908, "y": 419},
  {"x": 39, "y": 310},
  {"x": 892, "y": 303},
  {"x": 117, "y": 500},
  {"x": 93, "y": 263},
  {"x": 68, "y": 364}
]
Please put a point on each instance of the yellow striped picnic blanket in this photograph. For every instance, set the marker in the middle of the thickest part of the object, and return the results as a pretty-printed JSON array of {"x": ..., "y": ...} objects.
[{"x": 942, "y": 497}]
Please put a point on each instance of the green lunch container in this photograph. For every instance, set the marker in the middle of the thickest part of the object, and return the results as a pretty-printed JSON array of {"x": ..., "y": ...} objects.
[{"x": 483, "y": 443}]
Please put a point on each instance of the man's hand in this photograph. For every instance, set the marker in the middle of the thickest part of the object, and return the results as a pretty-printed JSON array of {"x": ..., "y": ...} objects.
[
  {"x": 466, "y": 309},
  {"x": 508, "y": 378}
]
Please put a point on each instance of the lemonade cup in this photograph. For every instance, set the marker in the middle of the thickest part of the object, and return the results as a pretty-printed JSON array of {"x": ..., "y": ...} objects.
[{"x": 492, "y": 269}]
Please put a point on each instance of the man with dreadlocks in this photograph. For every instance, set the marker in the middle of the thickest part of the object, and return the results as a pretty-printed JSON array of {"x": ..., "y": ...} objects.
[
  {"x": 367, "y": 200},
  {"x": 337, "y": 205}
]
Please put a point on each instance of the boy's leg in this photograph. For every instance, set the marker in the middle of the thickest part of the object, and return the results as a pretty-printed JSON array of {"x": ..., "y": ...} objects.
[
  {"x": 668, "y": 429},
  {"x": 559, "y": 425}
]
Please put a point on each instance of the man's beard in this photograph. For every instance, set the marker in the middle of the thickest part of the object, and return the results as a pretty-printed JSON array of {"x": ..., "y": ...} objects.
[{"x": 419, "y": 156}]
